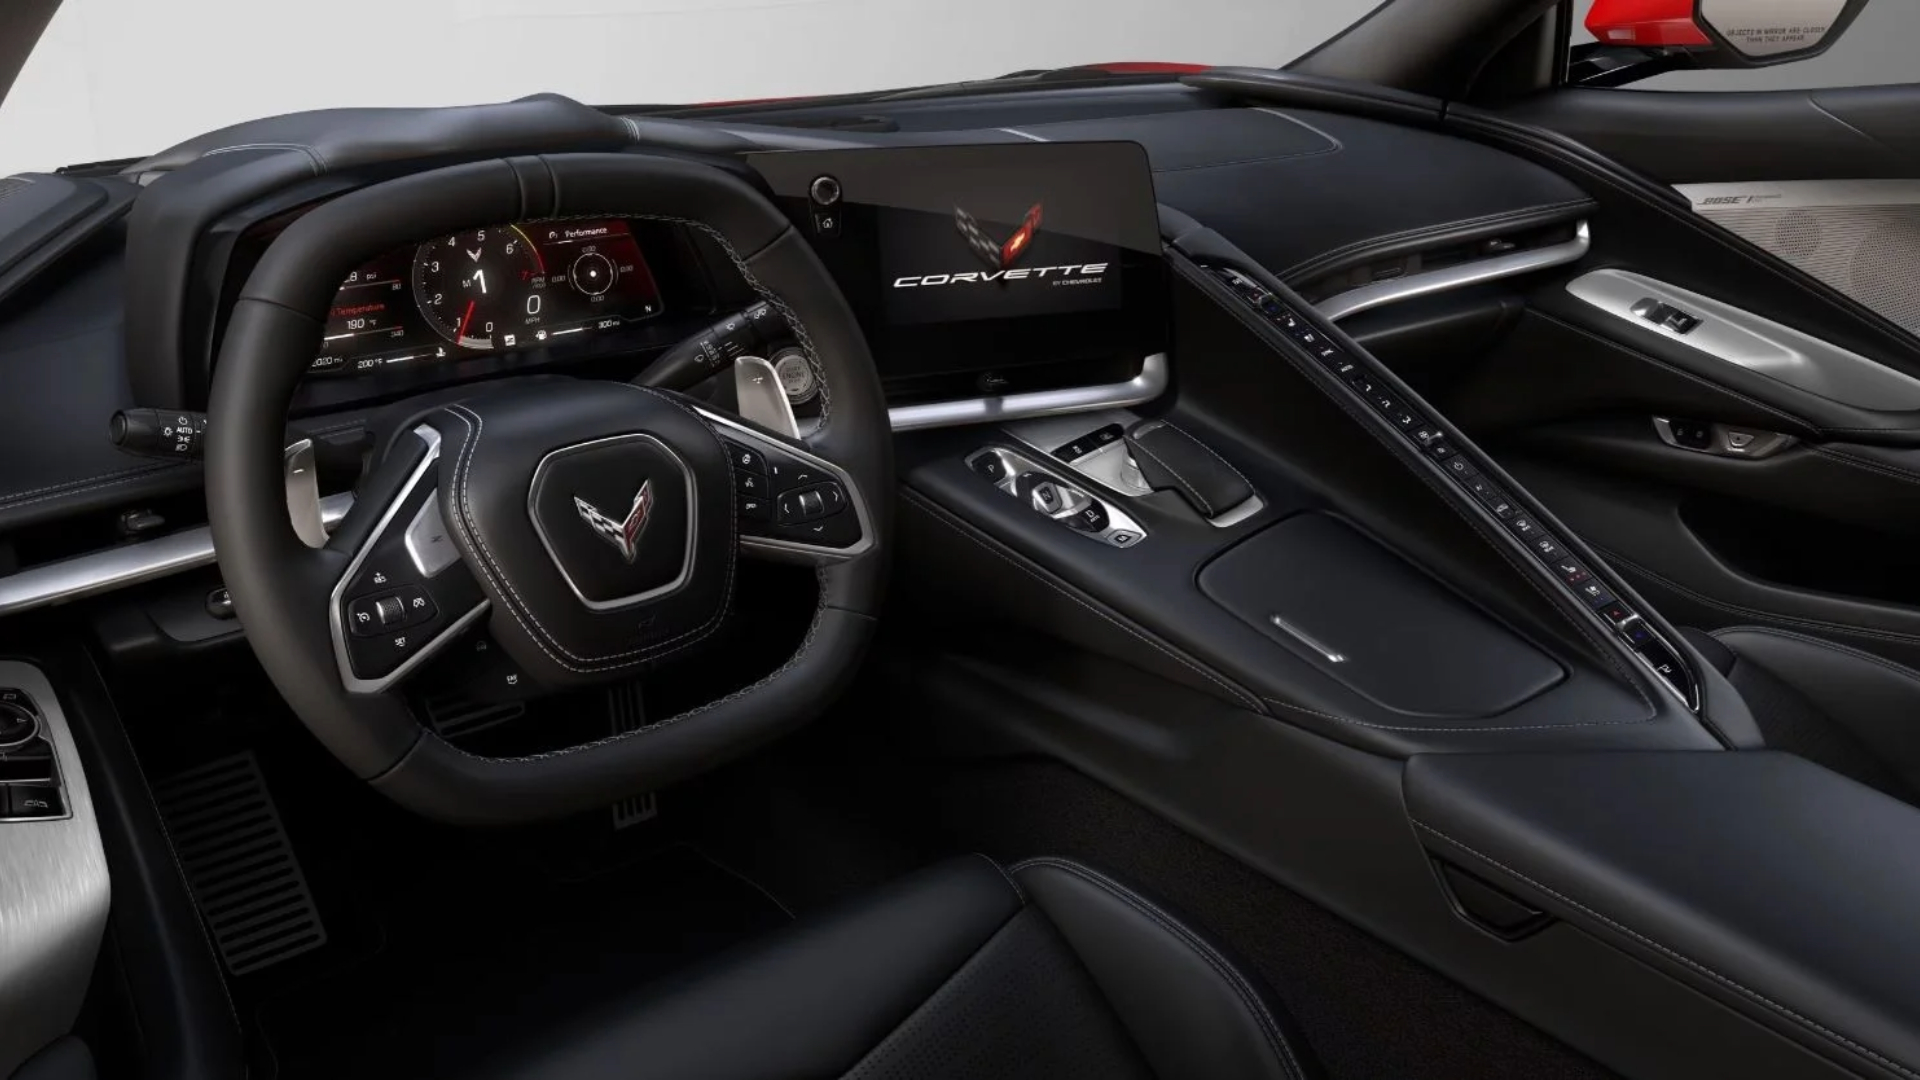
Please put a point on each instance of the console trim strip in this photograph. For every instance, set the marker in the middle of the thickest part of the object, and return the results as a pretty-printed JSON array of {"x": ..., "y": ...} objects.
[
  {"x": 1155, "y": 374},
  {"x": 1382, "y": 293},
  {"x": 129, "y": 564}
]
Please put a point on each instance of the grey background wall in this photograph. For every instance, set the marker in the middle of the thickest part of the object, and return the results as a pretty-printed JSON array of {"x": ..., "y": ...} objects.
[{"x": 118, "y": 78}]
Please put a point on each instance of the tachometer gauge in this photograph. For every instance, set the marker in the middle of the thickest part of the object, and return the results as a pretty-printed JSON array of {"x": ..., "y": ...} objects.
[{"x": 481, "y": 289}]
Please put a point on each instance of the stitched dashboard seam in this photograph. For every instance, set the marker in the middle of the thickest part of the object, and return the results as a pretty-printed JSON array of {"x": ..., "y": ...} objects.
[
  {"x": 1676, "y": 956},
  {"x": 1250, "y": 999},
  {"x": 1891, "y": 472},
  {"x": 933, "y": 511},
  {"x": 123, "y": 476},
  {"x": 1368, "y": 423},
  {"x": 1754, "y": 613}
]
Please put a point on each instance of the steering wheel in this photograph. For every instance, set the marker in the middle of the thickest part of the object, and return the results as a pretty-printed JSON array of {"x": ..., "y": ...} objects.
[{"x": 594, "y": 525}]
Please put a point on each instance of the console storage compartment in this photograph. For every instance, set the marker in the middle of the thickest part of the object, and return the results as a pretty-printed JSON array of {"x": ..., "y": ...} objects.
[{"x": 1375, "y": 623}]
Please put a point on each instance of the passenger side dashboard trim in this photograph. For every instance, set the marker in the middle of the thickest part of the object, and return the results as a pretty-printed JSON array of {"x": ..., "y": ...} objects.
[{"x": 1367, "y": 297}]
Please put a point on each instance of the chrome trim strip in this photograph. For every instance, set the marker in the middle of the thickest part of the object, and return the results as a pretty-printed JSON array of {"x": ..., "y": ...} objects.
[
  {"x": 55, "y": 892},
  {"x": 1155, "y": 373},
  {"x": 129, "y": 564},
  {"x": 792, "y": 550},
  {"x": 1232, "y": 516},
  {"x": 1762, "y": 346},
  {"x": 1304, "y": 638},
  {"x": 1028, "y": 135},
  {"x": 1480, "y": 271},
  {"x": 354, "y": 683}
]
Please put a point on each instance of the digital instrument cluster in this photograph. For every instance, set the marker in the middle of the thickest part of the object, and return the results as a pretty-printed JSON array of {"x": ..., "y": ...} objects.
[{"x": 489, "y": 290}]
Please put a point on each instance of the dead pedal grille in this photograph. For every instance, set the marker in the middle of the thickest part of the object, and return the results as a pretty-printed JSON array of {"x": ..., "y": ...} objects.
[{"x": 239, "y": 864}]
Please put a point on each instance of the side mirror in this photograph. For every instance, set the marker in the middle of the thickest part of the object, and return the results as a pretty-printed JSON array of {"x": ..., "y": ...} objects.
[{"x": 1634, "y": 39}]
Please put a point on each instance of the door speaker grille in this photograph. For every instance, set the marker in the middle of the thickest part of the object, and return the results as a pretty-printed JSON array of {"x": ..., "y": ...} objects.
[{"x": 239, "y": 864}]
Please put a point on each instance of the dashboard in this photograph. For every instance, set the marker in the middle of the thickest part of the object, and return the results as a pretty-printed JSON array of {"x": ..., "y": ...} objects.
[{"x": 487, "y": 290}]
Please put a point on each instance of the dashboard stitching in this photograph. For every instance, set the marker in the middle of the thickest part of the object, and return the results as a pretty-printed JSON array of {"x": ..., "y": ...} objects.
[
  {"x": 1891, "y": 472},
  {"x": 122, "y": 476},
  {"x": 927, "y": 506},
  {"x": 1672, "y": 954},
  {"x": 1900, "y": 670},
  {"x": 1448, "y": 729},
  {"x": 1755, "y": 613},
  {"x": 463, "y": 470},
  {"x": 1366, "y": 421},
  {"x": 1250, "y": 999},
  {"x": 806, "y": 644}
]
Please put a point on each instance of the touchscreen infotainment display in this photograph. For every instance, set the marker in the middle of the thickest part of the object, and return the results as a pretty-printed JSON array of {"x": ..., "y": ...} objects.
[{"x": 987, "y": 268}]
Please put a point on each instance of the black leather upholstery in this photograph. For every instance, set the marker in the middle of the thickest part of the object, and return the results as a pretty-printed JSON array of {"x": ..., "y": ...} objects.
[
  {"x": 1775, "y": 887},
  {"x": 1848, "y": 710},
  {"x": 961, "y": 970}
]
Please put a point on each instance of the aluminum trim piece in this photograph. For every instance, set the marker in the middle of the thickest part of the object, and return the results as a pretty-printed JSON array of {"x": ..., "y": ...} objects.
[
  {"x": 1480, "y": 271},
  {"x": 1152, "y": 381},
  {"x": 354, "y": 683},
  {"x": 54, "y": 896},
  {"x": 303, "y": 494},
  {"x": 1760, "y": 345},
  {"x": 762, "y": 396},
  {"x": 688, "y": 554},
  {"x": 1332, "y": 656},
  {"x": 1709, "y": 199},
  {"x": 793, "y": 550},
  {"x": 129, "y": 564}
]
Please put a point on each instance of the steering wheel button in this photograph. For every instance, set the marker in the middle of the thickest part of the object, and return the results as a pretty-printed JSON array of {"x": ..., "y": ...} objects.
[
  {"x": 417, "y": 607},
  {"x": 787, "y": 509},
  {"x": 754, "y": 508},
  {"x": 390, "y": 611},
  {"x": 790, "y": 475},
  {"x": 841, "y": 530},
  {"x": 747, "y": 483},
  {"x": 833, "y": 496},
  {"x": 745, "y": 457},
  {"x": 812, "y": 505}
]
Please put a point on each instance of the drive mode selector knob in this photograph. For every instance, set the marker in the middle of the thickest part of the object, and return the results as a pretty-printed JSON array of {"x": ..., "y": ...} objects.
[{"x": 17, "y": 726}]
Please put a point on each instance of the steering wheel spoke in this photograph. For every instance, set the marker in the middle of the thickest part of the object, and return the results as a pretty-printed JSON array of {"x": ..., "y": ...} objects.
[
  {"x": 792, "y": 504},
  {"x": 406, "y": 592}
]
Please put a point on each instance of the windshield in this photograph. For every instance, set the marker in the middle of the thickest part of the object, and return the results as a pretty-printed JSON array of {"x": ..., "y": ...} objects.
[{"x": 125, "y": 78}]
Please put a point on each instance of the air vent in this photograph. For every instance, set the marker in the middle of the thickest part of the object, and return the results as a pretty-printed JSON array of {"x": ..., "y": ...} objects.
[{"x": 239, "y": 864}]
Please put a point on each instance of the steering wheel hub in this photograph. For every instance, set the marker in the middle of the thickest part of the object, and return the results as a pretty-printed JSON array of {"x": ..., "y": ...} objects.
[{"x": 599, "y": 516}]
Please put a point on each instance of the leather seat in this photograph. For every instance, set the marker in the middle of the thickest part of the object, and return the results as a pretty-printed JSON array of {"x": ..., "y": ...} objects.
[
  {"x": 1850, "y": 711},
  {"x": 962, "y": 970}
]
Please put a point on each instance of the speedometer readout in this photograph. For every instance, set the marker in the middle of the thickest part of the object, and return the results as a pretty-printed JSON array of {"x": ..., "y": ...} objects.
[
  {"x": 479, "y": 288},
  {"x": 487, "y": 290}
]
